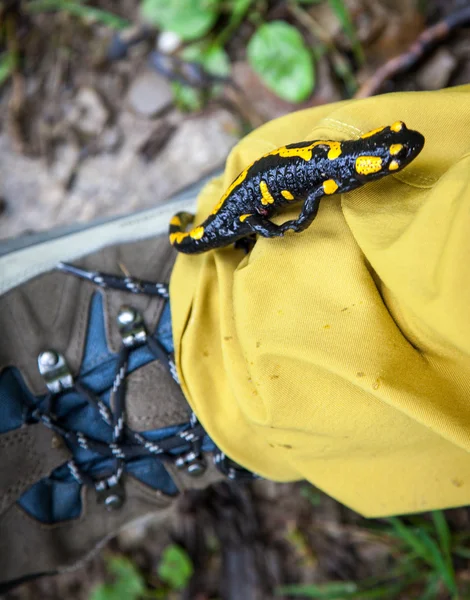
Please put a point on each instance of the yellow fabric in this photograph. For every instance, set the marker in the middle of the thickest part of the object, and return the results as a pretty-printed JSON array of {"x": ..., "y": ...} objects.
[{"x": 342, "y": 354}]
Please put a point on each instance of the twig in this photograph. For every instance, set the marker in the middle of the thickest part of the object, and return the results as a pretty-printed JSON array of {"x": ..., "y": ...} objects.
[
  {"x": 17, "y": 98},
  {"x": 342, "y": 13},
  {"x": 237, "y": 14},
  {"x": 185, "y": 72},
  {"x": 429, "y": 38},
  {"x": 340, "y": 64}
]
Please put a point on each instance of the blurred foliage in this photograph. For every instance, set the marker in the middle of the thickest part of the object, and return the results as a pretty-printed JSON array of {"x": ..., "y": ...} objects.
[
  {"x": 277, "y": 50},
  {"x": 7, "y": 64},
  {"x": 175, "y": 568},
  {"x": 174, "y": 571},
  {"x": 215, "y": 61},
  {"x": 423, "y": 551},
  {"x": 311, "y": 493},
  {"x": 128, "y": 582},
  {"x": 78, "y": 9}
]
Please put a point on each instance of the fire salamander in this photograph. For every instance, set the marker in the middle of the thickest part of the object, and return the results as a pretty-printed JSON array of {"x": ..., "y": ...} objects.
[{"x": 301, "y": 172}]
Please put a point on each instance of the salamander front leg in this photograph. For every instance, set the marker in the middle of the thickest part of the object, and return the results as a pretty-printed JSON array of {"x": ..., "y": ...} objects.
[{"x": 308, "y": 212}]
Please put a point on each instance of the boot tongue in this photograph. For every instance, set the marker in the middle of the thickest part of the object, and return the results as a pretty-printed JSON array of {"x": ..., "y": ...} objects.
[{"x": 153, "y": 400}]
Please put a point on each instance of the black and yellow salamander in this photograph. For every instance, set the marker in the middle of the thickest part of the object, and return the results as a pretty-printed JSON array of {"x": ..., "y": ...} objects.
[{"x": 301, "y": 172}]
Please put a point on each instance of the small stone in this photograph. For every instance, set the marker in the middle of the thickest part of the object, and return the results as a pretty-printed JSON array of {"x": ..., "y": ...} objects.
[
  {"x": 66, "y": 160},
  {"x": 149, "y": 94},
  {"x": 110, "y": 140},
  {"x": 89, "y": 114},
  {"x": 437, "y": 71},
  {"x": 168, "y": 42}
]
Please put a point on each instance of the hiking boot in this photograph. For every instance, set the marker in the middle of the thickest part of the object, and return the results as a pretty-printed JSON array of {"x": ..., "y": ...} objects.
[{"x": 94, "y": 429}]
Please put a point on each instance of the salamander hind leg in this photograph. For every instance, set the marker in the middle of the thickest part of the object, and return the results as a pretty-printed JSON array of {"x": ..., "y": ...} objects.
[{"x": 262, "y": 226}]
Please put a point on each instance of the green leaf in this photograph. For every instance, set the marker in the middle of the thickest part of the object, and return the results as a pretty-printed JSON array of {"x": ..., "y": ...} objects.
[
  {"x": 443, "y": 533},
  {"x": 371, "y": 589},
  {"x": 313, "y": 495},
  {"x": 445, "y": 540},
  {"x": 238, "y": 10},
  {"x": 278, "y": 54},
  {"x": 441, "y": 567},
  {"x": 190, "y": 19},
  {"x": 239, "y": 6},
  {"x": 129, "y": 583},
  {"x": 387, "y": 591},
  {"x": 187, "y": 98},
  {"x": 7, "y": 64},
  {"x": 412, "y": 539},
  {"x": 427, "y": 549},
  {"x": 175, "y": 567},
  {"x": 325, "y": 591},
  {"x": 462, "y": 552},
  {"x": 214, "y": 59},
  {"x": 431, "y": 591}
]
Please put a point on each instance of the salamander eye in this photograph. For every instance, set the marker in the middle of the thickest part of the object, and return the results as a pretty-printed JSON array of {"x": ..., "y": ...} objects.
[{"x": 398, "y": 153}]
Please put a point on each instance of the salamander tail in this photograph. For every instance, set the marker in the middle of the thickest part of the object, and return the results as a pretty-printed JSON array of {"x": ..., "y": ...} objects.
[
  {"x": 182, "y": 240},
  {"x": 178, "y": 225}
]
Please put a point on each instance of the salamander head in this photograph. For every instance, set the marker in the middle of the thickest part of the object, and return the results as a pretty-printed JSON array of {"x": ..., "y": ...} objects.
[{"x": 387, "y": 150}]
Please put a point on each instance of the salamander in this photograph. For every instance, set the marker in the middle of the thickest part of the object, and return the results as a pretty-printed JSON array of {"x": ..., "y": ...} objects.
[{"x": 301, "y": 172}]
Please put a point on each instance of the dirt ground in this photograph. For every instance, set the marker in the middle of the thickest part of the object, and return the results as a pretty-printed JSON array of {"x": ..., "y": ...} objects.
[{"x": 82, "y": 137}]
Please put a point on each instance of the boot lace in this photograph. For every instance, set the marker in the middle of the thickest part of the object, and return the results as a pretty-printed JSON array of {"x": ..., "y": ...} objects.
[{"x": 183, "y": 448}]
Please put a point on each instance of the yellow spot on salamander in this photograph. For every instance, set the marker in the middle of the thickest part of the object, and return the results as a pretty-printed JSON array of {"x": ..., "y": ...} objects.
[
  {"x": 266, "y": 196},
  {"x": 373, "y": 132},
  {"x": 335, "y": 150},
  {"x": 330, "y": 186},
  {"x": 244, "y": 217},
  {"x": 393, "y": 166},
  {"x": 178, "y": 237},
  {"x": 175, "y": 221},
  {"x": 197, "y": 233},
  {"x": 287, "y": 195},
  {"x": 366, "y": 165},
  {"x": 306, "y": 151},
  {"x": 397, "y": 126},
  {"x": 395, "y": 149}
]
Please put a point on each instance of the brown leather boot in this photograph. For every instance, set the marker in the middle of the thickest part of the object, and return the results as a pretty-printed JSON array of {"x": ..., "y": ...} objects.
[{"x": 94, "y": 429}]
